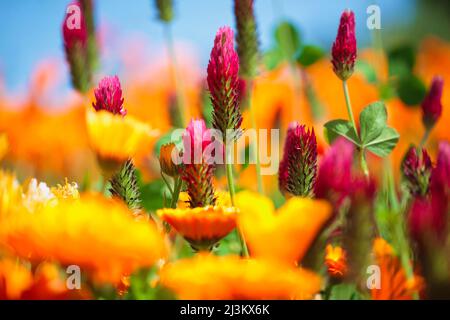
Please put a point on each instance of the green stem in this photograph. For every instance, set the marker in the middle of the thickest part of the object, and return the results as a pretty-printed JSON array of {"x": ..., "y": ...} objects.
[
  {"x": 425, "y": 138},
  {"x": 167, "y": 184},
  {"x": 362, "y": 155},
  {"x": 364, "y": 167},
  {"x": 349, "y": 106},
  {"x": 230, "y": 179},
  {"x": 256, "y": 146},
  {"x": 176, "y": 192},
  {"x": 175, "y": 74},
  {"x": 404, "y": 251}
]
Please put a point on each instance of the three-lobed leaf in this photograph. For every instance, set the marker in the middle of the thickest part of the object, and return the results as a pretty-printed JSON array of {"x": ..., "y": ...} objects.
[
  {"x": 372, "y": 121},
  {"x": 344, "y": 128}
]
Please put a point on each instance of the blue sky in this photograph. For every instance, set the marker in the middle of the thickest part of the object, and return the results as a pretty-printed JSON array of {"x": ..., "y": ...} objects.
[{"x": 31, "y": 30}]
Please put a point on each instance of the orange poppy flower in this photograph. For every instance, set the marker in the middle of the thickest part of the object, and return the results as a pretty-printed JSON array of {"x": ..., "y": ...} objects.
[
  {"x": 394, "y": 282},
  {"x": 230, "y": 277},
  {"x": 201, "y": 227},
  {"x": 336, "y": 261}
]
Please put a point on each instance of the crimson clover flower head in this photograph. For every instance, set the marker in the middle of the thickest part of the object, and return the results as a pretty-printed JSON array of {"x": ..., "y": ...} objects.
[
  {"x": 417, "y": 169},
  {"x": 198, "y": 170},
  {"x": 344, "y": 48},
  {"x": 298, "y": 168},
  {"x": 432, "y": 105},
  {"x": 224, "y": 84},
  {"x": 108, "y": 96}
]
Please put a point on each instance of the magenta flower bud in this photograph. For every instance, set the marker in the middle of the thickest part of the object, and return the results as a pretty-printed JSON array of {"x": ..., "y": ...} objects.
[
  {"x": 298, "y": 168},
  {"x": 432, "y": 105},
  {"x": 196, "y": 139},
  {"x": 108, "y": 96},
  {"x": 74, "y": 27},
  {"x": 334, "y": 179},
  {"x": 224, "y": 84},
  {"x": 198, "y": 170},
  {"x": 344, "y": 48},
  {"x": 417, "y": 171}
]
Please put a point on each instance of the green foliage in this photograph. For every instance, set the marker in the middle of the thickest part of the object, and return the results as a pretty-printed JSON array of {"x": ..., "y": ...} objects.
[
  {"x": 344, "y": 291},
  {"x": 411, "y": 90},
  {"x": 367, "y": 70},
  {"x": 309, "y": 55},
  {"x": 287, "y": 38},
  {"x": 142, "y": 288},
  {"x": 375, "y": 135},
  {"x": 153, "y": 195}
]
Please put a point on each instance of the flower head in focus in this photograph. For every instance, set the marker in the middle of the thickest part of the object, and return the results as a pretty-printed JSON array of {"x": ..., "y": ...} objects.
[
  {"x": 417, "y": 170},
  {"x": 298, "y": 168},
  {"x": 203, "y": 227},
  {"x": 336, "y": 261},
  {"x": 198, "y": 169},
  {"x": 99, "y": 235},
  {"x": 344, "y": 48},
  {"x": 432, "y": 105},
  {"x": 223, "y": 84},
  {"x": 108, "y": 96},
  {"x": 208, "y": 277},
  {"x": 282, "y": 235},
  {"x": 66, "y": 191}
]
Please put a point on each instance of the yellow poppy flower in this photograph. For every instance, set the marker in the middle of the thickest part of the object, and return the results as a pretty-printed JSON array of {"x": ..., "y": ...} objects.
[
  {"x": 282, "y": 235},
  {"x": 115, "y": 138},
  {"x": 98, "y": 235}
]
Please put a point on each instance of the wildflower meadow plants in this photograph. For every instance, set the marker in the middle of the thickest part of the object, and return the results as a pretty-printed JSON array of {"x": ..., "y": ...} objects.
[{"x": 163, "y": 209}]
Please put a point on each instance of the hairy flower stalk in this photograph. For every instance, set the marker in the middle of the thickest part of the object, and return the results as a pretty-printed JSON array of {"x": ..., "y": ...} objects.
[
  {"x": 246, "y": 37},
  {"x": 298, "y": 168},
  {"x": 75, "y": 37},
  {"x": 124, "y": 186},
  {"x": 223, "y": 85},
  {"x": 198, "y": 171},
  {"x": 248, "y": 52},
  {"x": 432, "y": 107},
  {"x": 417, "y": 168},
  {"x": 92, "y": 47}
]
